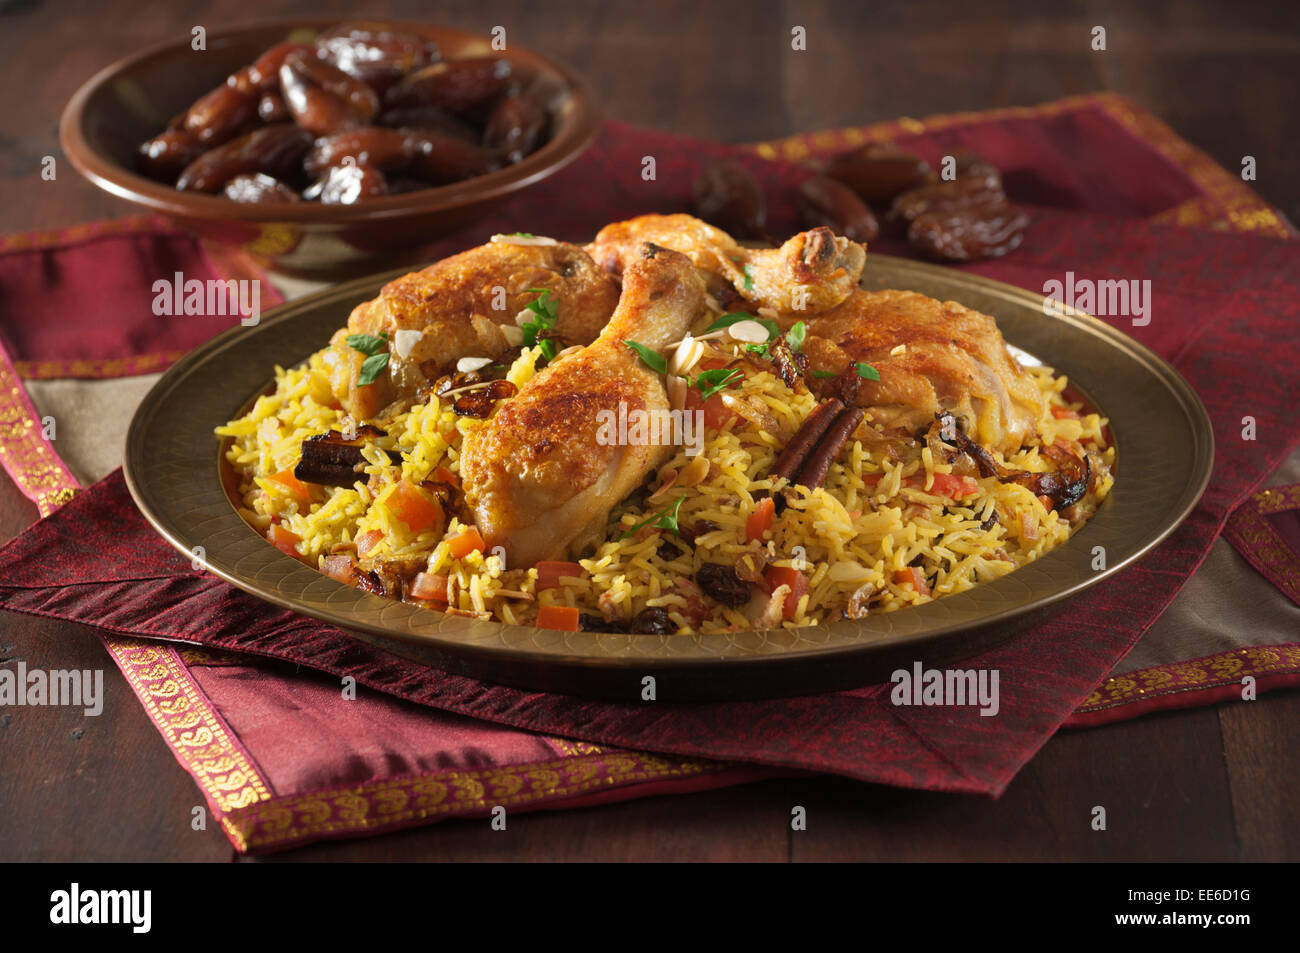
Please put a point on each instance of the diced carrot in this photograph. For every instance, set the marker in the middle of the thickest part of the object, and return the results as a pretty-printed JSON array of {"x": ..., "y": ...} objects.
[
  {"x": 1028, "y": 525},
  {"x": 410, "y": 505},
  {"x": 1063, "y": 413},
  {"x": 464, "y": 544},
  {"x": 429, "y": 585},
  {"x": 443, "y": 475},
  {"x": 368, "y": 541},
  {"x": 564, "y": 618},
  {"x": 283, "y": 540},
  {"x": 297, "y": 489},
  {"x": 342, "y": 567},
  {"x": 953, "y": 487},
  {"x": 1047, "y": 502},
  {"x": 777, "y": 576},
  {"x": 914, "y": 577},
  {"x": 549, "y": 573},
  {"x": 760, "y": 520}
]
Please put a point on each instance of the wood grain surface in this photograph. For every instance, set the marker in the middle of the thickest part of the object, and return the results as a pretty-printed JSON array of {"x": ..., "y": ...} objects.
[{"x": 1204, "y": 784}]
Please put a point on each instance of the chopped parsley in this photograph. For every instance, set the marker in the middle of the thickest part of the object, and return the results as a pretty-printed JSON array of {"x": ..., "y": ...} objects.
[
  {"x": 375, "y": 347},
  {"x": 546, "y": 313},
  {"x": 795, "y": 336},
  {"x": 749, "y": 279},
  {"x": 521, "y": 235},
  {"x": 718, "y": 379},
  {"x": 651, "y": 359},
  {"x": 664, "y": 519}
]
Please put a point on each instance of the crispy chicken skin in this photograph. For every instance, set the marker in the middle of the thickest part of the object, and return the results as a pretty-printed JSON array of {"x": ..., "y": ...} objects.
[
  {"x": 810, "y": 273},
  {"x": 455, "y": 304},
  {"x": 955, "y": 360},
  {"x": 536, "y": 475}
]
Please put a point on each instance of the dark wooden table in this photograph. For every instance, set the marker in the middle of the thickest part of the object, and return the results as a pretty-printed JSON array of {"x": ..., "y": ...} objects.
[{"x": 1209, "y": 783}]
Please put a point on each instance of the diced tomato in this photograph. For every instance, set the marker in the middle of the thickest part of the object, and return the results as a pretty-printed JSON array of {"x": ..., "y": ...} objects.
[
  {"x": 464, "y": 544},
  {"x": 443, "y": 475},
  {"x": 717, "y": 414},
  {"x": 912, "y": 576},
  {"x": 283, "y": 540},
  {"x": 777, "y": 576},
  {"x": 368, "y": 541},
  {"x": 297, "y": 489},
  {"x": 563, "y": 618},
  {"x": 760, "y": 520},
  {"x": 342, "y": 567},
  {"x": 549, "y": 573},
  {"x": 953, "y": 487},
  {"x": 429, "y": 585},
  {"x": 1064, "y": 413},
  {"x": 410, "y": 505}
]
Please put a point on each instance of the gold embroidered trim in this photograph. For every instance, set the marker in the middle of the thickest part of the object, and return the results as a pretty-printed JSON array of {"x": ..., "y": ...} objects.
[
  {"x": 398, "y": 800},
  {"x": 1226, "y": 668},
  {"x": 25, "y": 453},
  {"x": 191, "y": 728}
]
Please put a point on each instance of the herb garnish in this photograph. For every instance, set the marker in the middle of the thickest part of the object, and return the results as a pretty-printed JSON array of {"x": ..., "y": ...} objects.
[
  {"x": 718, "y": 379},
  {"x": 375, "y": 347},
  {"x": 749, "y": 279},
  {"x": 546, "y": 314},
  {"x": 651, "y": 359},
  {"x": 664, "y": 519},
  {"x": 864, "y": 370}
]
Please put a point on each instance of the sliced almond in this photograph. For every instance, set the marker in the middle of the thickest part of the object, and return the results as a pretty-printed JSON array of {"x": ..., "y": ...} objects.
[
  {"x": 467, "y": 365},
  {"x": 693, "y": 472},
  {"x": 513, "y": 334},
  {"x": 524, "y": 316},
  {"x": 848, "y": 571},
  {"x": 687, "y": 355},
  {"x": 523, "y": 240},
  {"x": 404, "y": 339},
  {"x": 666, "y": 482},
  {"x": 750, "y": 332},
  {"x": 897, "y": 350},
  {"x": 677, "y": 388}
]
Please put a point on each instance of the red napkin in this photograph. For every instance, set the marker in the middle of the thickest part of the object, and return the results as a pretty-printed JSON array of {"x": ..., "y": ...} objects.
[{"x": 1223, "y": 298}]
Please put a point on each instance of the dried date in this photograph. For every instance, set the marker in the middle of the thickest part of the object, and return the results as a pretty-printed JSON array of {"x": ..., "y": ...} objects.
[
  {"x": 727, "y": 195},
  {"x": 375, "y": 54},
  {"x": 276, "y": 151},
  {"x": 220, "y": 115},
  {"x": 348, "y": 184},
  {"x": 827, "y": 201},
  {"x": 878, "y": 172},
  {"x": 440, "y": 159},
  {"x": 515, "y": 126},
  {"x": 167, "y": 154},
  {"x": 378, "y": 146},
  {"x": 968, "y": 234},
  {"x": 322, "y": 98},
  {"x": 454, "y": 86},
  {"x": 260, "y": 189}
]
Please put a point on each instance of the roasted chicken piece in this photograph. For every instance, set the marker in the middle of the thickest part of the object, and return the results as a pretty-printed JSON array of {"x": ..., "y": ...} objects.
[
  {"x": 538, "y": 476},
  {"x": 932, "y": 356},
  {"x": 810, "y": 273},
  {"x": 465, "y": 306}
]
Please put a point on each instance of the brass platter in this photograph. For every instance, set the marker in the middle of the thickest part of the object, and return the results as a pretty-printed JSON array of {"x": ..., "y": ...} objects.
[{"x": 1165, "y": 450}]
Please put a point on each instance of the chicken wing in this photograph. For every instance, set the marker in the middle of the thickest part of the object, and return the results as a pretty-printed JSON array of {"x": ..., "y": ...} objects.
[
  {"x": 465, "y": 306},
  {"x": 812, "y": 272},
  {"x": 540, "y": 475},
  {"x": 954, "y": 359}
]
